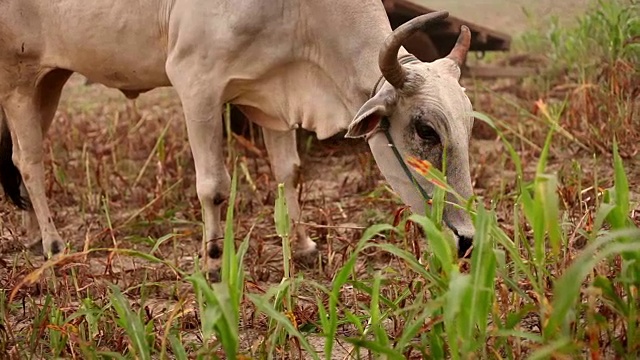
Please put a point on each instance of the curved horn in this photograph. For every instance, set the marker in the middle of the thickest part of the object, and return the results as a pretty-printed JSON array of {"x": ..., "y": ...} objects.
[
  {"x": 388, "y": 62},
  {"x": 459, "y": 52}
]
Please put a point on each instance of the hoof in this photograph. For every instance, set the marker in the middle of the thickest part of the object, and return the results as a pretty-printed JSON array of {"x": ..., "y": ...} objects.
[
  {"x": 36, "y": 247},
  {"x": 214, "y": 251},
  {"x": 307, "y": 258},
  {"x": 57, "y": 248},
  {"x": 214, "y": 275},
  {"x": 214, "y": 261},
  {"x": 465, "y": 247}
]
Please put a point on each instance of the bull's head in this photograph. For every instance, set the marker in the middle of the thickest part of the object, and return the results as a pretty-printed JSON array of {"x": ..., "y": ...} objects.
[{"x": 423, "y": 111}]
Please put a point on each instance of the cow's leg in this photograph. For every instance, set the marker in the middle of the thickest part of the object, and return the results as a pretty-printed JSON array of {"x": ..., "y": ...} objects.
[
  {"x": 32, "y": 229},
  {"x": 203, "y": 116},
  {"x": 25, "y": 120},
  {"x": 285, "y": 163},
  {"x": 204, "y": 128},
  {"x": 49, "y": 92}
]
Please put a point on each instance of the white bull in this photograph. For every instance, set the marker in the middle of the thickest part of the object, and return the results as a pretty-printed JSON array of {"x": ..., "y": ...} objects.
[{"x": 284, "y": 63}]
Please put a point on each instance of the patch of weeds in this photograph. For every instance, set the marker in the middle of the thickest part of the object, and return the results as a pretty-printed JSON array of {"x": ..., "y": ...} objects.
[{"x": 592, "y": 68}]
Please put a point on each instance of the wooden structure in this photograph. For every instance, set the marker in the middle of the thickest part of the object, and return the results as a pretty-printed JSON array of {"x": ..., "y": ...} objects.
[{"x": 436, "y": 41}]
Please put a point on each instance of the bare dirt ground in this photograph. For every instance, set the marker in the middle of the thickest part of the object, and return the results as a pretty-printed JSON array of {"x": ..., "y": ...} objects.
[
  {"x": 512, "y": 17},
  {"x": 112, "y": 184}
]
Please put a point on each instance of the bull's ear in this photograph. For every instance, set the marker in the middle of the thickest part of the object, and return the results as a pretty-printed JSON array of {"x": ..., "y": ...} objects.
[{"x": 370, "y": 114}]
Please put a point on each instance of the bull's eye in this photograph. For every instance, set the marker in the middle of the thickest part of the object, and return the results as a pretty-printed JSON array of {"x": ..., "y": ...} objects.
[{"x": 426, "y": 132}]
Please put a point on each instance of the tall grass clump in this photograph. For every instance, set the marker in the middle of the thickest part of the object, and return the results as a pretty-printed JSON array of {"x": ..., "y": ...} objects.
[
  {"x": 574, "y": 302},
  {"x": 593, "y": 67}
]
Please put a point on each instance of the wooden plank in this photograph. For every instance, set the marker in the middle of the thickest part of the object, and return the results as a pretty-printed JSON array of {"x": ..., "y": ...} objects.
[{"x": 484, "y": 38}]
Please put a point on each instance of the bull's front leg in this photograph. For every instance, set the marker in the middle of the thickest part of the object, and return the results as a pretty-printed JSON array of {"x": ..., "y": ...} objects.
[
  {"x": 30, "y": 224},
  {"x": 203, "y": 116},
  {"x": 212, "y": 179},
  {"x": 26, "y": 123},
  {"x": 285, "y": 164}
]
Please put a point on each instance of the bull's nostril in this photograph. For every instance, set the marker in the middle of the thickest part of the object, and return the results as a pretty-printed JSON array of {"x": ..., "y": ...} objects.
[{"x": 464, "y": 243}]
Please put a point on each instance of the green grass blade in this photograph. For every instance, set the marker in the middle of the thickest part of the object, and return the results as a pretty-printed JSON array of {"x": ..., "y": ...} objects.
[
  {"x": 178, "y": 349},
  {"x": 265, "y": 307},
  {"x": 413, "y": 327},
  {"x": 110, "y": 355},
  {"x": 479, "y": 298},
  {"x": 411, "y": 261},
  {"x": 621, "y": 189},
  {"x": 131, "y": 323},
  {"x": 548, "y": 351},
  {"x": 375, "y": 347},
  {"x": 567, "y": 288},
  {"x": 229, "y": 261},
  {"x": 533, "y": 212},
  {"x": 281, "y": 219},
  {"x": 342, "y": 276},
  {"x": 326, "y": 328},
  {"x": 161, "y": 241},
  {"x": 359, "y": 285},
  {"x": 280, "y": 213},
  {"x": 375, "y": 316},
  {"x": 440, "y": 245},
  {"x": 609, "y": 293},
  {"x": 601, "y": 215},
  {"x": 227, "y": 324},
  {"x": 544, "y": 155},
  {"x": 353, "y": 319},
  {"x": 512, "y": 152},
  {"x": 455, "y": 324},
  {"x": 546, "y": 189}
]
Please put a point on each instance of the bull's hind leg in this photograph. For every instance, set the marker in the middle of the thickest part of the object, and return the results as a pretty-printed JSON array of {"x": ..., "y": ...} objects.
[
  {"x": 203, "y": 116},
  {"x": 285, "y": 164}
]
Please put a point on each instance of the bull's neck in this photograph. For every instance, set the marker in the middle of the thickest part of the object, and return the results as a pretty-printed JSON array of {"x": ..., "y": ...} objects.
[
  {"x": 325, "y": 70},
  {"x": 351, "y": 56}
]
